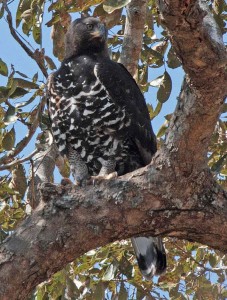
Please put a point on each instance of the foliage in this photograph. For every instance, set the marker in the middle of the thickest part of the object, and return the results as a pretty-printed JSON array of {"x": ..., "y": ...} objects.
[{"x": 110, "y": 272}]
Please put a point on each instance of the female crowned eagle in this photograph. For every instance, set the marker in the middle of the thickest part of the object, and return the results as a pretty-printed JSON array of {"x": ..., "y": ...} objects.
[{"x": 100, "y": 120}]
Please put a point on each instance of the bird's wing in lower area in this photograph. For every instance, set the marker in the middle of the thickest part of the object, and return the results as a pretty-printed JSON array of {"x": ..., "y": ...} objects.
[{"x": 123, "y": 89}]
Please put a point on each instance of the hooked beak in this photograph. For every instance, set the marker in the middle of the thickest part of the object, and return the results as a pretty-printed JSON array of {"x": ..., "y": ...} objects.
[{"x": 101, "y": 33}]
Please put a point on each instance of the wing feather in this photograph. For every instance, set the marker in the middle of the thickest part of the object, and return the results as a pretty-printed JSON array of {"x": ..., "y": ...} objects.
[{"x": 125, "y": 92}]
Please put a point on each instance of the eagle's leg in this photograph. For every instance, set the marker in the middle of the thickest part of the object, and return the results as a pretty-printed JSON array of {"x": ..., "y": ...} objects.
[
  {"x": 78, "y": 167},
  {"x": 107, "y": 170},
  {"x": 108, "y": 167}
]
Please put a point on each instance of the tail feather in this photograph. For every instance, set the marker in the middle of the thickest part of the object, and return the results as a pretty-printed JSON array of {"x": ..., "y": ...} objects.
[{"x": 150, "y": 254}]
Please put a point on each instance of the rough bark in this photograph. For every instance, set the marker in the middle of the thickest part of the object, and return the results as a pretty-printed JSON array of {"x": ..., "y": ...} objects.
[
  {"x": 133, "y": 35},
  {"x": 175, "y": 195}
]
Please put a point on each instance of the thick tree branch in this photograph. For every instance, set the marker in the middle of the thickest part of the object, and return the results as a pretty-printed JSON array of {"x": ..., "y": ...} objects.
[
  {"x": 198, "y": 42},
  {"x": 174, "y": 196},
  {"x": 133, "y": 35},
  {"x": 118, "y": 209}
]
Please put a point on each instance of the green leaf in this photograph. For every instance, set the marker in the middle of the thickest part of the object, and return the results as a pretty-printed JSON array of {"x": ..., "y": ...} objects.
[
  {"x": 50, "y": 63},
  {"x": 58, "y": 36},
  {"x": 19, "y": 92},
  {"x": 4, "y": 92},
  {"x": 35, "y": 77},
  {"x": 111, "y": 5},
  {"x": 168, "y": 117},
  {"x": 218, "y": 6},
  {"x": 152, "y": 57},
  {"x": 9, "y": 140},
  {"x": 157, "y": 81},
  {"x": 150, "y": 110},
  {"x": 165, "y": 88},
  {"x": 161, "y": 47},
  {"x": 156, "y": 111},
  {"x": 55, "y": 19},
  {"x": 110, "y": 271},
  {"x": 173, "y": 61},
  {"x": 99, "y": 292},
  {"x": 2, "y": 11},
  {"x": 25, "y": 83},
  {"x": 41, "y": 293},
  {"x": 21, "y": 74},
  {"x": 126, "y": 267},
  {"x": 3, "y": 68},
  {"x": 36, "y": 31},
  {"x": 10, "y": 115},
  {"x": 19, "y": 181},
  {"x": 30, "y": 100},
  {"x": 26, "y": 15},
  {"x": 213, "y": 260},
  {"x": 162, "y": 130},
  {"x": 73, "y": 291},
  {"x": 143, "y": 74},
  {"x": 18, "y": 214},
  {"x": 26, "y": 27},
  {"x": 22, "y": 7},
  {"x": 110, "y": 19},
  {"x": 216, "y": 167}
]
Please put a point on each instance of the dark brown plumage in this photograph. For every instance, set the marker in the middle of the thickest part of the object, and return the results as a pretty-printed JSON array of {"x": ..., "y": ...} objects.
[{"x": 100, "y": 120}]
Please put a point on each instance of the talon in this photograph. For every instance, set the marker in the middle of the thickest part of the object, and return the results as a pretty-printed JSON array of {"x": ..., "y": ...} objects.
[
  {"x": 112, "y": 175},
  {"x": 97, "y": 179}
]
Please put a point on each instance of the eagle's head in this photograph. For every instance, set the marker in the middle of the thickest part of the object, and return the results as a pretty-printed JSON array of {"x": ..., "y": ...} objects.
[{"x": 84, "y": 36}]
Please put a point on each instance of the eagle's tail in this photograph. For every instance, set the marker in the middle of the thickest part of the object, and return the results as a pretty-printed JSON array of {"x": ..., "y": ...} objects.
[{"x": 150, "y": 254}]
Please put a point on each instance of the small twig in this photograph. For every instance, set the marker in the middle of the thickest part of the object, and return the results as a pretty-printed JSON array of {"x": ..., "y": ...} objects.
[
  {"x": 22, "y": 44},
  {"x": 200, "y": 264},
  {"x": 24, "y": 39},
  {"x": 18, "y": 161},
  {"x": 22, "y": 144}
]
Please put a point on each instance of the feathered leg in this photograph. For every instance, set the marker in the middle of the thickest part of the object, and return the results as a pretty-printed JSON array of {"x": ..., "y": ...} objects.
[
  {"x": 107, "y": 170},
  {"x": 78, "y": 167},
  {"x": 150, "y": 254}
]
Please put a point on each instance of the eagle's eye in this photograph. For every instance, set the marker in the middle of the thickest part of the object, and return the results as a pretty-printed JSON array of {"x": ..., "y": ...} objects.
[{"x": 89, "y": 26}]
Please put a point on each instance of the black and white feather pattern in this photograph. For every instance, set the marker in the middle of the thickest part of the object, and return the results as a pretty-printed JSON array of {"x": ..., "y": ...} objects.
[
  {"x": 92, "y": 104},
  {"x": 100, "y": 120}
]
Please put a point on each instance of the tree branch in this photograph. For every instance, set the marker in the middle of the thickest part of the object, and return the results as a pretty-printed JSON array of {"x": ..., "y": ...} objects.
[
  {"x": 175, "y": 195},
  {"x": 23, "y": 143},
  {"x": 14, "y": 34},
  {"x": 133, "y": 35},
  {"x": 137, "y": 203},
  {"x": 203, "y": 56},
  {"x": 18, "y": 161}
]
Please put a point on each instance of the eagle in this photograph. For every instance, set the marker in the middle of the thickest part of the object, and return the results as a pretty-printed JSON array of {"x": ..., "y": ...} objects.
[{"x": 100, "y": 121}]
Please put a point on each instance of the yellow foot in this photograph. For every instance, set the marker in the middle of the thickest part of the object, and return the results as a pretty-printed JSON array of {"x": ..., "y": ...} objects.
[{"x": 98, "y": 179}]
